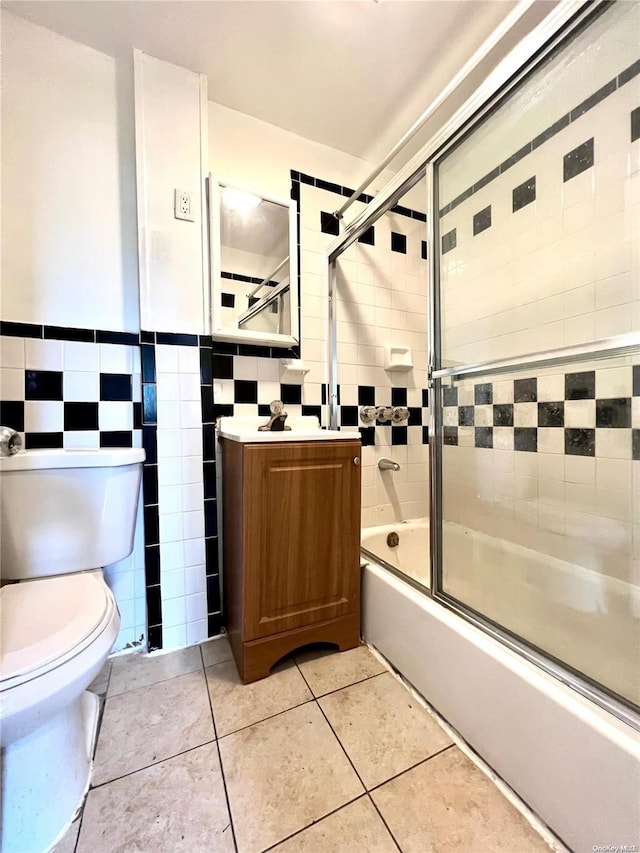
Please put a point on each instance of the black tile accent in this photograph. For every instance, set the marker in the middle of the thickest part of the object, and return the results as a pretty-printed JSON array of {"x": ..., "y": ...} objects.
[
  {"x": 503, "y": 414},
  {"x": 425, "y": 435},
  {"x": 398, "y": 435},
  {"x": 460, "y": 198},
  {"x": 629, "y": 73},
  {"x": 154, "y": 638},
  {"x": 482, "y": 220},
  {"x": 245, "y": 391},
  {"x": 148, "y": 362},
  {"x": 152, "y": 565},
  {"x": 525, "y": 438},
  {"x": 12, "y": 414},
  {"x": 328, "y": 186},
  {"x": 208, "y": 442},
  {"x": 154, "y": 605},
  {"x": 20, "y": 330},
  {"x": 423, "y": 250},
  {"x": 450, "y": 435},
  {"x": 483, "y": 394},
  {"x": 329, "y": 224},
  {"x": 580, "y": 386},
  {"x": 613, "y": 413},
  {"x": 149, "y": 404},
  {"x": 264, "y": 411},
  {"x": 116, "y": 438},
  {"x": 151, "y": 526},
  {"x": 578, "y": 160},
  {"x": 206, "y": 366},
  {"x": 115, "y": 386},
  {"x": 348, "y": 416},
  {"x": 450, "y": 396},
  {"x": 465, "y": 416},
  {"x": 106, "y": 337},
  {"x": 137, "y": 415},
  {"x": 635, "y": 124},
  {"x": 550, "y": 131},
  {"x": 368, "y": 436},
  {"x": 636, "y": 380},
  {"x": 524, "y": 194},
  {"x": 525, "y": 390},
  {"x": 209, "y": 471},
  {"x": 580, "y": 442},
  {"x": 222, "y": 367},
  {"x": 211, "y": 555},
  {"x": 635, "y": 443},
  {"x": 324, "y": 392},
  {"x": 214, "y": 624},
  {"x": 210, "y": 518},
  {"x": 415, "y": 416},
  {"x": 43, "y": 440},
  {"x": 425, "y": 397},
  {"x": 483, "y": 437},
  {"x": 176, "y": 339},
  {"x": 593, "y": 100},
  {"x": 312, "y": 411},
  {"x": 366, "y": 395},
  {"x": 206, "y": 341},
  {"x": 490, "y": 176},
  {"x": 398, "y": 396},
  {"x": 449, "y": 241},
  {"x": 224, "y": 348},
  {"x": 64, "y": 333},
  {"x": 150, "y": 484},
  {"x": 228, "y": 300},
  {"x": 222, "y": 410},
  {"x": 213, "y": 588},
  {"x": 551, "y": 414},
  {"x": 150, "y": 444},
  {"x": 368, "y": 237},
  {"x": 206, "y": 403},
  {"x": 291, "y": 395},
  {"x": 43, "y": 385},
  {"x": 515, "y": 158},
  {"x": 82, "y": 416},
  {"x": 398, "y": 243},
  {"x": 147, "y": 337},
  {"x": 295, "y": 190},
  {"x": 253, "y": 300}
]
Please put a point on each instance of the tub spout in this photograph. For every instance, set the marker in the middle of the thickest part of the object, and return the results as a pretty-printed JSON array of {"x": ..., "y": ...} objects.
[{"x": 385, "y": 464}]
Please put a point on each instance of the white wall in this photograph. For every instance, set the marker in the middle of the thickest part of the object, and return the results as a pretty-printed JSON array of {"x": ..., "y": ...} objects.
[
  {"x": 69, "y": 253},
  {"x": 168, "y": 157}
]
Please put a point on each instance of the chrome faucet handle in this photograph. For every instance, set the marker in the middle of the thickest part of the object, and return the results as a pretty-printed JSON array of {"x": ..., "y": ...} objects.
[
  {"x": 368, "y": 414},
  {"x": 384, "y": 414},
  {"x": 400, "y": 413}
]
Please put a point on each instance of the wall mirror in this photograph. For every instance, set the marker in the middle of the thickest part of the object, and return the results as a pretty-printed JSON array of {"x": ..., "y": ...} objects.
[{"x": 254, "y": 273}]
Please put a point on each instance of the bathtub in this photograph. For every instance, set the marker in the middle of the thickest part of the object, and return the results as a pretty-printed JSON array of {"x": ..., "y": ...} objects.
[{"x": 574, "y": 764}]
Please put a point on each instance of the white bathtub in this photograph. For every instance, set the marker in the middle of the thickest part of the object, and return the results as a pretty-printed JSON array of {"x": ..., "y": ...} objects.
[{"x": 575, "y": 765}]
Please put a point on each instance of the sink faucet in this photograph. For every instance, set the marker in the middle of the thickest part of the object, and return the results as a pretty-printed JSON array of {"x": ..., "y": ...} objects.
[
  {"x": 385, "y": 464},
  {"x": 276, "y": 422}
]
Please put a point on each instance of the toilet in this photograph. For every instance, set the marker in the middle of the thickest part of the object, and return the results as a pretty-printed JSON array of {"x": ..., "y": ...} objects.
[{"x": 63, "y": 515}]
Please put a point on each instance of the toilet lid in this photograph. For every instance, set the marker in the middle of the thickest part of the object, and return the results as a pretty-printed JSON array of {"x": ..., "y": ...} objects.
[{"x": 44, "y": 619}]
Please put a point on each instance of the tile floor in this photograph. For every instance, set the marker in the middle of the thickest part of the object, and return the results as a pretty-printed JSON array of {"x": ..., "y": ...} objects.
[{"x": 330, "y": 753}]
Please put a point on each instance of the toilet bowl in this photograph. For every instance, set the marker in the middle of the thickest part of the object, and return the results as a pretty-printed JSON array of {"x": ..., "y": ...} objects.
[{"x": 61, "y": 513}]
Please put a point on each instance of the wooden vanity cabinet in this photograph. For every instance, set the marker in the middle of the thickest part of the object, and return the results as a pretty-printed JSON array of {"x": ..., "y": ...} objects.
[{"x": 291, "y": 526}]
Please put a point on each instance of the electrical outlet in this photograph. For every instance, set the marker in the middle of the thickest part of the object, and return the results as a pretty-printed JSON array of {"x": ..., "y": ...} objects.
[{"x": 183, "y": 205}]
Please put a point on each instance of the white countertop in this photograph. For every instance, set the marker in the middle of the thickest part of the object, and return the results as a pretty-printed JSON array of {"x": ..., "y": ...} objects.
[{"x": 303, "y": 428}]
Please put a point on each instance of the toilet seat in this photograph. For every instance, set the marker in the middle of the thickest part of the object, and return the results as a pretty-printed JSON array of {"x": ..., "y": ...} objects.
[{"x": 48, "y": 621}]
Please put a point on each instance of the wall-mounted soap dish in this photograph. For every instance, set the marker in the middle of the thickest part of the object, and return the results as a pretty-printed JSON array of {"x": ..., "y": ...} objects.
[{"x": 398, "y": 359}]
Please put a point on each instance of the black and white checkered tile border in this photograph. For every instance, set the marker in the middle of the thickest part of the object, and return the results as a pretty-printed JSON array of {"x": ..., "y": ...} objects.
[{"x": 515, "y": 422}]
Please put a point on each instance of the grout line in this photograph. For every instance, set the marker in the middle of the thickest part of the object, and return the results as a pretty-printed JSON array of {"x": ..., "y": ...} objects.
[
  {"x": 413, "y": 767},
  {"x": 152, "y": 684},
  {"x": 264, "y": 719},
  {"x": 217, "y": 741},
  {"x": 314, "y": 823},
  {"x": 346, "y": 686},
  {"x": 353, "y": 766},
  {"x": 152, "y": 764}
]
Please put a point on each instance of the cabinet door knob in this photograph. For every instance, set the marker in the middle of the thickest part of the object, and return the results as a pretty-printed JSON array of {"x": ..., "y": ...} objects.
[{"x": 356, "y": 460}]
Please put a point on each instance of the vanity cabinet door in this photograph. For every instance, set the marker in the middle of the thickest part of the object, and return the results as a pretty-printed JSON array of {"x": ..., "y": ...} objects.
[{"x": 301, "y": 534}]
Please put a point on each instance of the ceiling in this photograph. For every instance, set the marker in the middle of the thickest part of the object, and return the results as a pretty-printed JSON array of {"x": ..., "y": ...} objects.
[{"x": 351, "y": 75}]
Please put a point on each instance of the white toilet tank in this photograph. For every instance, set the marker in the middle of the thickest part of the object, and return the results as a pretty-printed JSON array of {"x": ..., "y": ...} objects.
[{"x": 64, "y": 511}]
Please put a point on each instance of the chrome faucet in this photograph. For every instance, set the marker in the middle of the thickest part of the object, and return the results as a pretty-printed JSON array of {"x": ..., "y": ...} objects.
[
  {"x": 385, "y": 464},
  {"x": 276, "y": 422}
]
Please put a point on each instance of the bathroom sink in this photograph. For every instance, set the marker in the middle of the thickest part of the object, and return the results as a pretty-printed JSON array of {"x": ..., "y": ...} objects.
[{"x": 244, "y": 428}]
